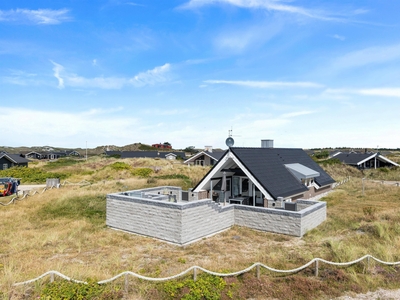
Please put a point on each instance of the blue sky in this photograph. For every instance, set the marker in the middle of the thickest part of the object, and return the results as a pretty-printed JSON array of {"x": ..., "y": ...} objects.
[{"x": 113, "y": 72}]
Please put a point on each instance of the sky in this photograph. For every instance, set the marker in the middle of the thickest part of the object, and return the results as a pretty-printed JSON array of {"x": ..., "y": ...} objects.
[{"x": 306, "y": 74}]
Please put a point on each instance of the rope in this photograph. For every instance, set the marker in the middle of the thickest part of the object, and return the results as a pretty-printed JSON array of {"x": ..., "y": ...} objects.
[
  {"x": 343, "y": 264},
  {"x": 83, "y": 182}
]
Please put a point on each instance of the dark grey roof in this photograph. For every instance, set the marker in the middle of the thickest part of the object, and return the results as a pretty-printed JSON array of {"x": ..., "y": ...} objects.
[
  {"x": 267, "y": 165},
  {"x": 144, "y": 154},
  {"x": 215, "y": 154},
  {"x": 17, "y": 158},
  {"x": 352, "y": 158}
]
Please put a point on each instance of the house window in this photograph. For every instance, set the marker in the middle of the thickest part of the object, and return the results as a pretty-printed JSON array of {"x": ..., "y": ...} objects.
[
  {"x": 200, "y": 162},
  {"x": 5, "y": 166},
  {"x": 245, "y": 185}
]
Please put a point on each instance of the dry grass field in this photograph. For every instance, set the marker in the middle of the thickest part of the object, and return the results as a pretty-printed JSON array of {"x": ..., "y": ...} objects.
[{"x": 64, "y": 230}]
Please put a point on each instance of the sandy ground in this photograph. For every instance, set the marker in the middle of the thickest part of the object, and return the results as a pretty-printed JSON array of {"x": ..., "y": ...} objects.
[
  {"x": 379, "y": 294},
  {"x": 27, "y": 188}
]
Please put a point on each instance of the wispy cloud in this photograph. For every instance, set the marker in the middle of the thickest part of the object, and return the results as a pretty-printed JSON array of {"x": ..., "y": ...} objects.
[
  {"x": 297, "y": 114},
  {"x": 39, "y": 16},
  {"x": 18, "y": 77},
  {"x": 269, "y": 5},
  {"x": 101, "y": 125},
  {"x": 150, "y": 77},
  {"x": 384, "y": 92},
  {"x": 268, "y": 84},
  {"x": 338, "y": 37},
  {"x": 240, "y": 38},
  {"x": 371, "y": 55}
]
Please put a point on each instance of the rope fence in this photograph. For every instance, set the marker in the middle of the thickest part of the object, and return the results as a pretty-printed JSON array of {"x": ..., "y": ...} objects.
[
  {"x": 28, "y": 194},
  {"x": 195, "y": 269},
  {"x": 339, "y": 183},
  {"x": 385, "y": 182}
]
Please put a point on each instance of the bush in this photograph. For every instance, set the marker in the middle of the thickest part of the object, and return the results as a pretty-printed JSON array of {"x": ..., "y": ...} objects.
[
  {"x": 66, "y": 290},
  {"x": 119, "y": 166},
  {"x": 205, "y": 287},
  {"x": 61, "y": 162},
  {"x": 31, "y": 175},
  {"x": 332, "y": 161},
  {"x": 142, "y": 172}
]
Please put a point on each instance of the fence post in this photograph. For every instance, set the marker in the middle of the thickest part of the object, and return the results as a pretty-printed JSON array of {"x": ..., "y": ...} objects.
[
  {"x": 316, "y": 268},
  {"x": 258, "y": 271},
  {"x": 194, "y": 274},
  {"x": 126, "y": 287},
  {"x": 368, "y": 264},
  {"x": 52, "y": 277}
]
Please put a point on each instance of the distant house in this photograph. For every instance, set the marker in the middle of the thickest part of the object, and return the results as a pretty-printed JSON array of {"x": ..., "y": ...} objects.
[
  {"x": 73, "y": 153},
  {"x": 208, "y": 157},
  {"x": 147, "y": 154},
  {"x": 367, "y": 160},
  {"x": 34, "y": 155},
  {"x": 12, "y": 160},
  {"x": 162, "y": 146},
  {"x": 52, "y": 154}
]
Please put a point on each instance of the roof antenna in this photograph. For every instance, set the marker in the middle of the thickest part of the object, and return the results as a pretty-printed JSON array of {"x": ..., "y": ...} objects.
[{"x": 229, "y": 141}]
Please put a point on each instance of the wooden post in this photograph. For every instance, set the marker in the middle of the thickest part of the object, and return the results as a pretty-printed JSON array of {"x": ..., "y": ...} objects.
[
  {"x": 194, "y": 274},
  {"x": 368, "y": 264},
  {"x": 258, "y": 271},
  {"x": 316, "y": 268},
  {"x": 51, "y": 277},
  {"x": 126, "y": 287}
]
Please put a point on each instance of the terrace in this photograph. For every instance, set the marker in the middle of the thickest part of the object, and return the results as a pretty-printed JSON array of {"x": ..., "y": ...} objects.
[{"x": 182, "y": 217}]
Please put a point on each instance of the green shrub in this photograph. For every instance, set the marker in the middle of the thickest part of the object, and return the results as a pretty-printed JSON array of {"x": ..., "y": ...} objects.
[
  {"x": 332, "y": 161},
  {"x": 146, "y": 147},
  {"x": 142, "y": 172},
  {"x": 66, "y": 290},
  {"x": 173, "y": 176},
  {"x": 31, "y": 175},
  {"x": 320, "y": 155},
  {"x": 119, "y": 166},
  {"x": 205, "y": 287},
  {"x": 61, "y": 162}
]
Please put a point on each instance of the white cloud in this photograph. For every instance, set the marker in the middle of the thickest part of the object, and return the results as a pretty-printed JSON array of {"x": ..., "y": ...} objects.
[
  {"x": 150, "y": 77},
  {"x": 39, "y": 16},
  {"x": 296, "y": 114},
  {"x": 269, "y": 5},
  {"x": 240, "y": 38},
  {"x": 66, "y": 128},
  {"x": 338, "y": 37},
  {"x": 371, "y": 55},
  {"x": 384, "y": 92},
  {"x": 268, "y": 84},
  {"x": 57, "y": 70}
]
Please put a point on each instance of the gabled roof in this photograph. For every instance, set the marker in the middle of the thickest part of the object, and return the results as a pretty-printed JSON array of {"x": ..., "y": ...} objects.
[
  {"x": 145, "y": 154},
  {"x": 216, "y": 155},
  {"x": 359, "y": 158},
  {"x": 15, "y": 158},
  {"x": 267, "y": 167}
]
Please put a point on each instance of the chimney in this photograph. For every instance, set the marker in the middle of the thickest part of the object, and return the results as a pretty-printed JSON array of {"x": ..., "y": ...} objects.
[
  {"x": 208, "y": 148},
  {"x": 267, "y": 143}
]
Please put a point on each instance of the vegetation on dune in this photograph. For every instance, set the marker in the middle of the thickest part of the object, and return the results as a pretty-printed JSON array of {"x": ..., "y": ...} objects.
[
  {"x": 64, "y": 230},
  {"x": 32, "y": 175}
]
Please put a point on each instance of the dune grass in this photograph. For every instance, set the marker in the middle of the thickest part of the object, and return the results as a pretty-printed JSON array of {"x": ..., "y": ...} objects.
[{"x": 64, "y": 230}]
